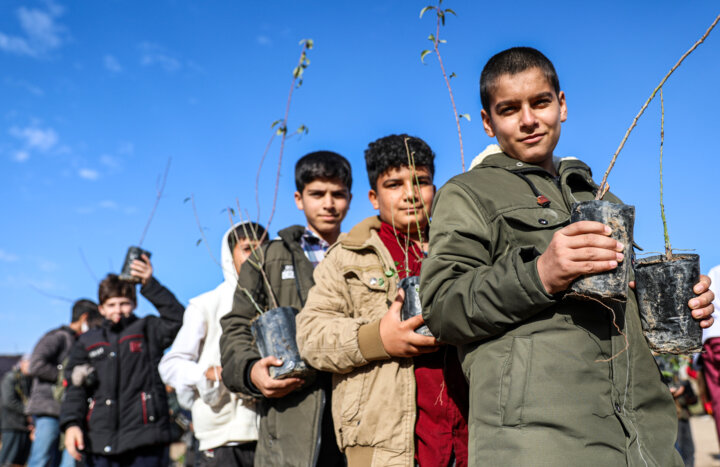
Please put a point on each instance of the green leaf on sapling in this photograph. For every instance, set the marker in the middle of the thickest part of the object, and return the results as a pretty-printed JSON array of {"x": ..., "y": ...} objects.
[
  {"x": 186, "y": 200},
  {"x": 448, "y": 10},
  {"x": 425, "y": 10},
  {"x": 431, "y": 37},
  {"x": 422, "y": 55},
  {"x": 199, "y": 241},
  {"x": 275, "y": 123},
  {"x": 452, "y": 75},
  {"x": 465, "y": 116}
]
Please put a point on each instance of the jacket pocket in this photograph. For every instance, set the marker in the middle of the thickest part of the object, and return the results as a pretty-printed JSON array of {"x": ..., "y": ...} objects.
[
  {"x": 533, "y": 225},
  {"x": 514, "y": 381},
  {"x": 148, "y": 406}
]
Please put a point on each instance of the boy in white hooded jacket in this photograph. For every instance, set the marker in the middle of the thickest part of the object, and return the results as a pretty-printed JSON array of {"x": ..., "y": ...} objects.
[{"x": 225, "y": 424}]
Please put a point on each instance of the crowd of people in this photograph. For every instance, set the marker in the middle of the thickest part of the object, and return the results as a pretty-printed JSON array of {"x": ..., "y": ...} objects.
[{"x": 513, "y": 372}]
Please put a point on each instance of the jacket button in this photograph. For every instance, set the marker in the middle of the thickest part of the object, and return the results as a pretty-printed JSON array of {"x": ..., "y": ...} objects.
[
  {"x": 151, "y": 418},
  {"x": 107, "y": 449},
  {"x": 112, "y": 354},
  {"x": 519, "y": 164},
  {"x": 543, "y": 221},
  {"x": 108, "y": 402}
]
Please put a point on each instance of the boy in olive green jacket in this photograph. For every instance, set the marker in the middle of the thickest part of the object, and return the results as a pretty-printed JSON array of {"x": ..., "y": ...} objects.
[{"x": 544, "y": 389}]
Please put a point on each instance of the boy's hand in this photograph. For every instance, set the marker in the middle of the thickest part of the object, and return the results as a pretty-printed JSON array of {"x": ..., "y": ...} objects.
[
  {"x": 142, "y": 269},
  {"x": 399, "y": 337},
  {"x": 701, "y": 306},
  {"x": 269, "y": 387},
  {"x": 74, "y": 442},
  {"x": 581, "y": 248},
  {"x": 214, "y": 373}
]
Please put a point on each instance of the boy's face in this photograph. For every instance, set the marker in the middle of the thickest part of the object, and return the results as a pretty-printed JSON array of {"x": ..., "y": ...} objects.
[
  {"x": 403, "y": 200},
  {"x": 525, "y": 116},
  {"x": 116, "y": 308},
  {"x": 325, "y": 203},
  {"x": 242, "y": 251}
]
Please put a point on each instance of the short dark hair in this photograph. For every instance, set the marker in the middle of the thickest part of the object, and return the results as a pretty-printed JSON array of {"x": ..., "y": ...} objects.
[
  {"x": 511, "y": 62},
  {"x": 390, "y": 152},
  {"x": 243, "y": 230},
  {"x": 81, "y": 307},
  {"x": 112, "y": 287},
  {"x": 322, "y": 164}
]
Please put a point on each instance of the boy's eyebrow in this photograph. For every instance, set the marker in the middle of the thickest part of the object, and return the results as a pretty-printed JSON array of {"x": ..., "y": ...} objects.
[{"x": 547, "y": 94}]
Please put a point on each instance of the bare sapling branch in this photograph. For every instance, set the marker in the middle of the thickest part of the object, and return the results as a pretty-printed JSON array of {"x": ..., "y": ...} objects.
[
  {"x": 49, "y": 295},
  {"x": 260, "y": 265},
  {"x": 257, "y": 177},
  {"x": 160, "y": 190},
  {"x": 303, "y": 62},
  {"x": 436, "y": 41},
  {"x": 87, "y": 265},
  {"x": 603, "y": 189},
  {"x": 411, "y": 165},
  {"x": 668, "y": 248},
  {"x": 202, "y": 231}
]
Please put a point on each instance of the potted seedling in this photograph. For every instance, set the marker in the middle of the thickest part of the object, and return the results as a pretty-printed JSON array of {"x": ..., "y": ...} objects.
[
  {"x": 665, "y": 286},
  {"x": 273, "y": 328},
  {"x": 411, "y": 284},
  {"x": 137, "y": 252},
  {"x": 612, "y": 285}
]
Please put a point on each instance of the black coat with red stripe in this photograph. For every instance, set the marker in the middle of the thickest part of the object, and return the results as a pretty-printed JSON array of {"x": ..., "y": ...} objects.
[{"x": 124, "y": 406}]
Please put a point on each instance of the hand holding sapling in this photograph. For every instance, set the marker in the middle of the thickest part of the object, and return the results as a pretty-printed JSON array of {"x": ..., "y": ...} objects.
[
  {"x": 399, "y": 337},
  {"x": 142, "y": 269},
  {"x": 268, "y": 386},
  {"x": 581, "y": 248},
  {"x": 702, "y": 306}
]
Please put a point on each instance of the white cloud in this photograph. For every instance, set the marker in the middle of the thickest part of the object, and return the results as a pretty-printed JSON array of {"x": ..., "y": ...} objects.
[
  {"x": 154, "y": 54},
  {"x": 108, "y": 204},
  {"x": 35, "y": 137},
  {"x": 109, "y": 161},
  {"x": 48, "y": 266},
  {"x": 41, "y": 33},
  {"x": 21, "y": 156},
  {"x": 88, "y": 174},
  {"x": 7, "y": 257},
  {"x": 112, "y": 64},
  {"x": 31, "y": 88},
  {"x": 263, "y": 40}
]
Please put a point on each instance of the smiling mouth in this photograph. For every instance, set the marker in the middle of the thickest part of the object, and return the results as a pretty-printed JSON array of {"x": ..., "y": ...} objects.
[{"x": 533, "y": 138}]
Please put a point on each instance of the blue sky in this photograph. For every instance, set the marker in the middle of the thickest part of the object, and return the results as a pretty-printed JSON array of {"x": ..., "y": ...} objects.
[{"x": 96, "y": 96}]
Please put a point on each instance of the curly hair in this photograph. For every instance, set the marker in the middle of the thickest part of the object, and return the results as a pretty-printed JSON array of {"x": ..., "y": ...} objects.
[
  {"x": 389, "y": 152},
  {"x": 112, "y": 287},
  {"x": 511, "y": 62}
]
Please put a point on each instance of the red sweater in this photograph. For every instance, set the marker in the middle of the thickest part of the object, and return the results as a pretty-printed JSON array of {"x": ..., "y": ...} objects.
[{"x": 441, "y": 430}]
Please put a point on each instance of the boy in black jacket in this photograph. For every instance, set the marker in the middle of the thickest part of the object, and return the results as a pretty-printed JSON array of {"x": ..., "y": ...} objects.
[{"x": 116, "y": 408}]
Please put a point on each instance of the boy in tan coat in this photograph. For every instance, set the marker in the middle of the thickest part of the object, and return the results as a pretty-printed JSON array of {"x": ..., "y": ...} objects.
[{"x": 398, "y": 398}]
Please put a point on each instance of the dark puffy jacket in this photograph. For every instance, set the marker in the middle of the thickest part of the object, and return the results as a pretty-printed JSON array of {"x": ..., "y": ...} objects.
[
  {"x": 45, "y": 364},
  {"x": 126, "y": 406},
  {"x": 295, "y": 430},
  {"x": 15, "y": 391}
]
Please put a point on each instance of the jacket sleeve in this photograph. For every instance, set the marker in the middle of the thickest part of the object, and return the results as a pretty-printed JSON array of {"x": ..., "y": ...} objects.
[
  {"x": 74, "y": 406},
  {"x": 45, "y": 355},
  {"x": 469, "y": 291},
  {"x": 170, "y": 309},
  {"x": 179, "y": 366},
  {"x": 238, "y": 351},
  {"x": 10, "y": 400},
  {"x": 328, "y": 338}
]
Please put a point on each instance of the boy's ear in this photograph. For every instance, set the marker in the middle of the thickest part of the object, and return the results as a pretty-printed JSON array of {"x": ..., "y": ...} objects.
[
  {"x": 563, "y": 106},
  {"x": 299, "y": 201},
  {"x": 373, "y": 197},
  {"x": 487, "y": 123}
]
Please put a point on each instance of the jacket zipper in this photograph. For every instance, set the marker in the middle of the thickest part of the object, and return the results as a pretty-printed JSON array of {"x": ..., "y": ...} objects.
[
  {"x": 90, "y": 411},
  {"x": 143, "y": 398}
]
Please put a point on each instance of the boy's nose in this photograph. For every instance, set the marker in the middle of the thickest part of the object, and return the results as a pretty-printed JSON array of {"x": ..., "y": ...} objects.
[{"x": 527, "y": 117}]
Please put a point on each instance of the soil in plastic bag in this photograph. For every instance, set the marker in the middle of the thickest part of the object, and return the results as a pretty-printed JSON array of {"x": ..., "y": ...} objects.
[
  {"x": 274, "y": 333},
  {"x": 610, "y": 285},
  {"x": 133, "y": 253},
  {"x": 411, "y": 306},
  {"x": 664, "y": 288}
]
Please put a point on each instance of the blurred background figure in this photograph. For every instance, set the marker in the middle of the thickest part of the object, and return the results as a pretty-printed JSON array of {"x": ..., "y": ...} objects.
[{"x": 15, "y": 425}]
